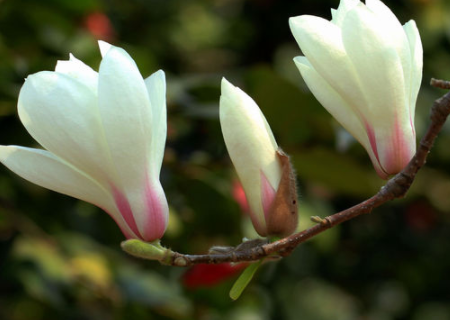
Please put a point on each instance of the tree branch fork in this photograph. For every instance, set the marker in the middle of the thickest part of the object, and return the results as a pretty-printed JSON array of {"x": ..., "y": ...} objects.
[{"x": 255, "y": 250}]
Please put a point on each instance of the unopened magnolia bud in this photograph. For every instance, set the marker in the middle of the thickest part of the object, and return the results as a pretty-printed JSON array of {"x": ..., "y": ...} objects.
[{"x": 264, "y": 171}]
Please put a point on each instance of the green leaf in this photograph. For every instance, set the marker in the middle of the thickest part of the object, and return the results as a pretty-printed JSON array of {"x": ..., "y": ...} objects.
[{"x": 243, "y": 280}]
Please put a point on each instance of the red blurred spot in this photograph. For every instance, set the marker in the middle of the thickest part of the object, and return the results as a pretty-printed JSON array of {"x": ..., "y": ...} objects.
[
  {"x": 420, "y": 216},
  {"x": 171, "y": 131},
  {"x": 209, "y": 275},
  {"x": 239, "y": 196},
  {"x": 99, "y": 26}
]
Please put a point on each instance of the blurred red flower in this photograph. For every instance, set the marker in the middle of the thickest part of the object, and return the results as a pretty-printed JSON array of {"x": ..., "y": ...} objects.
[
  {"x": 209, "y": 275},
  {"x": 99, "y": 25}
]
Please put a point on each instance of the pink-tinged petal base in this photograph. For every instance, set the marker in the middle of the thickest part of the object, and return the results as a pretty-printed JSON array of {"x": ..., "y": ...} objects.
[
  {"x": 156, "y": 214},
  {"x": 125, "y": 209},
  {"x": 395, "y": 154},
  {"x": 267, "y": 195},
  {"x": 267, "y": 198},
  {"x": 373, "y": 144},
  {"x": 127, "y": 233},
  {"x": 400, "y": 151}
]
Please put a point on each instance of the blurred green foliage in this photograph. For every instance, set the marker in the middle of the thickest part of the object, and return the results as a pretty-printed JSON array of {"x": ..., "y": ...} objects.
[{"x": 60, "y": 258}]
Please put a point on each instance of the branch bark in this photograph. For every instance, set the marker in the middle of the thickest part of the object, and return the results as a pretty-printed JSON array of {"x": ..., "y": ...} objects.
[{"x": 396, "y": 187}]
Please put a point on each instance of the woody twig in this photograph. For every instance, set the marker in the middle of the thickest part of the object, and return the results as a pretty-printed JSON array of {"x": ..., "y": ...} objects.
[{"x": 396, "y": 187}]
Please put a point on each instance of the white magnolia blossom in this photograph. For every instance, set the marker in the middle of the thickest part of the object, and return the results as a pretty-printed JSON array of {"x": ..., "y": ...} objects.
[
  {"x": 104, "y": 135},
  {"x": 253, "y": 151},
  {"x": 365, "y": 68}
]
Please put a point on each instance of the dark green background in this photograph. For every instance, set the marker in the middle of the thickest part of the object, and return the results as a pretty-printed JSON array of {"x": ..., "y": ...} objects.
[{"x": 60, "y": 258}]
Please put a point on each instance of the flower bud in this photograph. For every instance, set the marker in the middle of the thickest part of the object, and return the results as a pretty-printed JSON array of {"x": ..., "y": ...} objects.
[
  {"x": 365, "y": 68},
  {"x": 263, "y": 169}
]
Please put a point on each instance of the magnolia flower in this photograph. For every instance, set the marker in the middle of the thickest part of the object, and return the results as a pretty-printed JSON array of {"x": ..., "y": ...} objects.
[
  {"x": 366, "y": 70},
  {"x": 264, "y": 171},
  {"x": 104, "y": 135}
]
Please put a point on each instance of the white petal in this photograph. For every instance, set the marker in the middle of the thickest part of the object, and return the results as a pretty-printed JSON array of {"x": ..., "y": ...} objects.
[
  {"x": 78, "y": 70},
  {"x": 336, "y": 106},
  {"x": 46, "y": 170},
  {"x": 156, "y": 87},
  {"x": 321, "y": 42},
  {"x": 354, "y": 123},
  {"x": 334, "y": 15},
  {"x": 386, "y": 26},
  {"x": 332, "y": 101},
  {"x": 415, "y": 44},
  {"x": 381, "y": 69},
  {"x": 344, "y": 7},
  {"x": 378, "y": 65},
  {"x": 126, "y": 115},
  {"x": 127, "y": 119},
  {"x": 383, "y": 12},
  {"x": 250, "y": 143},
  {"x": 62, "y": 115},
  {"x": 104, "y": 47}
]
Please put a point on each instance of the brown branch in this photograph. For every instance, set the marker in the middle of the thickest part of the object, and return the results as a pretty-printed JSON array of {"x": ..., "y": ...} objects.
[{"x": 394, "y": 188}]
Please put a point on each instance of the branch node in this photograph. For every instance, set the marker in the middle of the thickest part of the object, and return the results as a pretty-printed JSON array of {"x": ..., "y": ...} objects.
[
  {"x": 440, "y": 83},
  {"x": 323, "y": 221},
  {"x": 440, "y": 110},
  {"x": 427, "y": 145},
  {"x": 316, "y": 219},
  {"x": 180, "y": 261}
]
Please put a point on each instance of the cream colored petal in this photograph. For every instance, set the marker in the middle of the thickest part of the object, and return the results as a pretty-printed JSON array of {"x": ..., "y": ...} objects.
[
  {"x": 79, "y": 71},
  {"x": 46, "y": 170},
  {"x": 344, "y": 7},
  {"x": 62, "y": 115},
  {"x": 332, "y": 101},
  {"x": 383, "y": 13},
  {"x": 321, "y": 43},
  {"x": 378, "y": 65},
  {"x": 127, "y": 118},
  {"x": 334, "y": 15},
  {"x": 415, "y": 45},
  {"x": 386, "y": 26},
  {"x": 371, "y": 48},
  {"x": 104, "y": 47},
  {"x": 156, "y": 87},
  {"x": 126, "y": 115}
]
